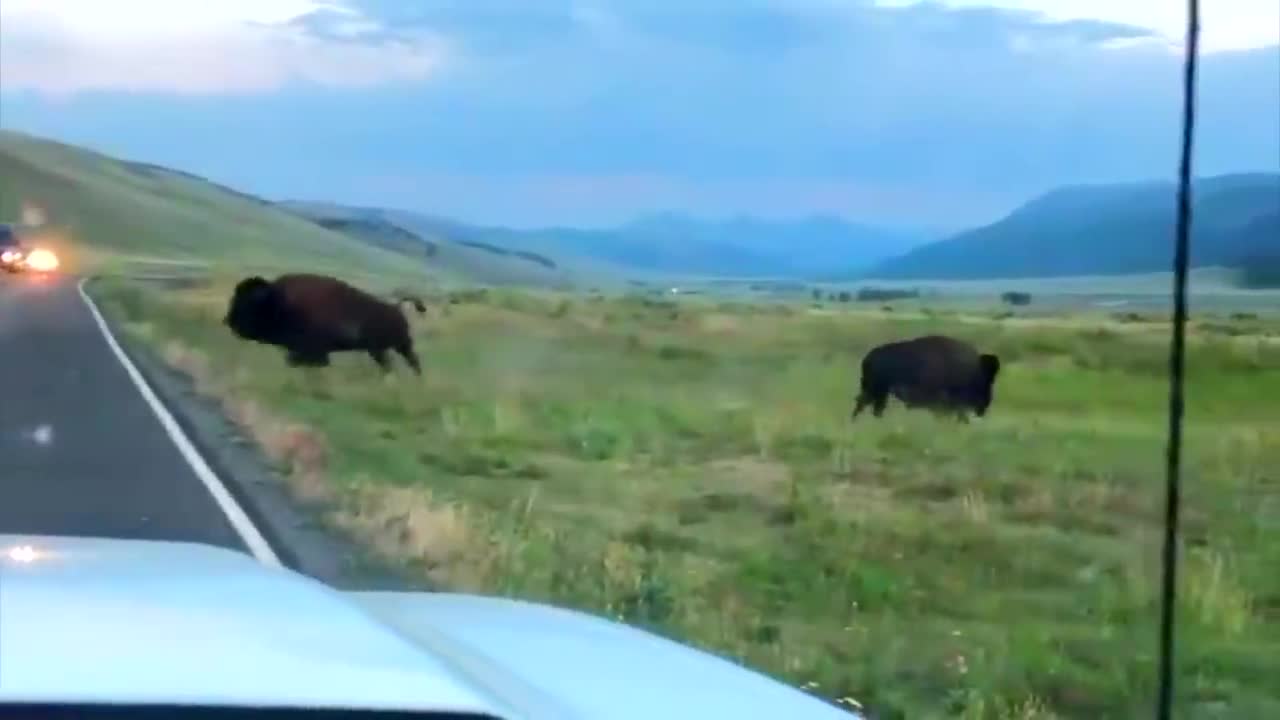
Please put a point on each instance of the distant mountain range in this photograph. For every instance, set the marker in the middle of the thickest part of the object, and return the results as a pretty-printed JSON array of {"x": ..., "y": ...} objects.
[
  {"x": 666, "y": 243},
  {"x": 1109, "y": 229},
  {"x": 1115, "y": 229},
  {"x": 743, "y": 246}
]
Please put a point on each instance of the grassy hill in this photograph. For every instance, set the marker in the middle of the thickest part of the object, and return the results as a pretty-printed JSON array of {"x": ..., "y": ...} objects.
[
  {"x": 102, "y": 210},
  {"x": 1106, "y": 230}
]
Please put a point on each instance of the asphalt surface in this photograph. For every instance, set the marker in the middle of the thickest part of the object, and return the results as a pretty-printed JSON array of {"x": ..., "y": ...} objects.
[{"x": 81, "y": 451}]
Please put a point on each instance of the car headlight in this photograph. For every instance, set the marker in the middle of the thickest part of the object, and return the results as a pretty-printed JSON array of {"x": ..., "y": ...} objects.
[
  {"x": 23, "y": 554},
  {"x": 42, "y": 260}
]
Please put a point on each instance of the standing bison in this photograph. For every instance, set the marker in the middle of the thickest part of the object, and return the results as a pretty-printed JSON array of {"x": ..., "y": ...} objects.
[
  {"x": 936, "y": 372},
  {"x": 311, "y": 316}
]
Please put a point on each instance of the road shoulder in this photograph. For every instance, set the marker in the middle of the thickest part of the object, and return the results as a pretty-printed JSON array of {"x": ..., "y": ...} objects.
[{"x": 300, "y": 540}]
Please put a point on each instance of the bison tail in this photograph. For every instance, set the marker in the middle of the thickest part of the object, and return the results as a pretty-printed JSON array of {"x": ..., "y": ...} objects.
[{"x": 990, "y": 366}]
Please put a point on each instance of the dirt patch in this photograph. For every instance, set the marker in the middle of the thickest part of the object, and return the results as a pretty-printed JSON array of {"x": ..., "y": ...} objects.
[
  {"x": 857, "y": 501},
  {"x": 746, "y": 484},
  {"x": 719, "y": 323},
  {"x": 758, "y": 476}
]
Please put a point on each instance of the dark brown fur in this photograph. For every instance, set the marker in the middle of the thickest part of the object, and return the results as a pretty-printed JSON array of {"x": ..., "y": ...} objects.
[
  {"x": 936, "y": 372},
  {"x": 311, "y": 316}
]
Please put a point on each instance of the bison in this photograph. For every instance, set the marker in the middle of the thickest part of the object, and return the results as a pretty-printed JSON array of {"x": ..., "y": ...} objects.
[
  {"x": 311, "y": 316},
  {"x": 942, "y": 374}
]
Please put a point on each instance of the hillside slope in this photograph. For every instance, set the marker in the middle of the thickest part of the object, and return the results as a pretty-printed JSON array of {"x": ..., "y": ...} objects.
[
  {"x": 446, "y": 246},
  {"x": 1104, "y": 230},
  {"x": 101, "y": 207},
  {"x": 1260, "y": 265}
]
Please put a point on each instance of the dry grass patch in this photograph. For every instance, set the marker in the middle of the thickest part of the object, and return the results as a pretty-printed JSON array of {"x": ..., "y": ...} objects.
[
  {"x": 444, "y": 540},
  {"x": 1216, "y": 595}
]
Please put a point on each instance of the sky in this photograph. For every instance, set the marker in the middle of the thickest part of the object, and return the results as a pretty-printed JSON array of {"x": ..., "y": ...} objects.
[{"x": 590, "y": 112}]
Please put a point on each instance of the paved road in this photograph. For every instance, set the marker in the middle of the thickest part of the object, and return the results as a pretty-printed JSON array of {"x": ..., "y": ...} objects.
[{"x": 81, "y": 451}]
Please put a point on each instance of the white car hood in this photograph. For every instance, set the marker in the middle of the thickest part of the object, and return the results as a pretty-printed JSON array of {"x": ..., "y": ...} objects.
[{"x": 87, "y": 620}]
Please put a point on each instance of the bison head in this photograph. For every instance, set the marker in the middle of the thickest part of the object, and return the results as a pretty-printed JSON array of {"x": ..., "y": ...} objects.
[
  {"x": 257, "y": 311},
  {"x": 988, "y": 368}
]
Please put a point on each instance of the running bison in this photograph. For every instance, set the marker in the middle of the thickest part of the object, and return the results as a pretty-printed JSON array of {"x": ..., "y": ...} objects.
[
  {"x": 311, "y": 316},
  {"x": 942, "y": 374}
]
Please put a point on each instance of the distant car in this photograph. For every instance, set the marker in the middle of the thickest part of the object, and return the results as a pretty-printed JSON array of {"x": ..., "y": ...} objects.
[
  {"x": 16, "y": 257},
  {"x": 98, "y": 628},
  {"x": 12, "y": 254}
]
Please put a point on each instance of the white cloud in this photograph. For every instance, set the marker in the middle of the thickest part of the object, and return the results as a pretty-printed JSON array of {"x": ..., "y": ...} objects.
[
  {"x": 63, "y": 47},
  {"x": 1224, "y": 24}
]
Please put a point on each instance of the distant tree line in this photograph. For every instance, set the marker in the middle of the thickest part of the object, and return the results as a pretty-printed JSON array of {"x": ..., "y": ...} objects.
[
  {"x": 873, "y": 294},
  {"x": 869, "y": 294},
  {"x": 833, "y": 296}
]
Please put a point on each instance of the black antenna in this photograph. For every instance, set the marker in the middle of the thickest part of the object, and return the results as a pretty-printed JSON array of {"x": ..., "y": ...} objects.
[{"x": 1177, "y": 352}]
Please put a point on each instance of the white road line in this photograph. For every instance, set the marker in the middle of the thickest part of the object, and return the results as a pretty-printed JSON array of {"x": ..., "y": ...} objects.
[{"x": 252, "y": 538}]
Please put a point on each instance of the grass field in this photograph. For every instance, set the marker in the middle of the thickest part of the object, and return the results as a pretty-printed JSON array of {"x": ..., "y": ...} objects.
[{"x": 691, "y": 468}]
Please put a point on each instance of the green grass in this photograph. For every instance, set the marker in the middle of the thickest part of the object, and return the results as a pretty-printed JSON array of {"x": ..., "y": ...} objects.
[{"x": 691, "y": 468}]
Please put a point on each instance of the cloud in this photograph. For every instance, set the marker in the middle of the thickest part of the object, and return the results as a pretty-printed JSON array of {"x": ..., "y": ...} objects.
[
  {"x": 750, "y": 27},
  {"x": 988, "y": 102},
  {"x": 1225, "y": 24},
  {"x": 756, "y": 87},
  {"x": 522, "y": 107},
  {"x": 63, "y": 47}
]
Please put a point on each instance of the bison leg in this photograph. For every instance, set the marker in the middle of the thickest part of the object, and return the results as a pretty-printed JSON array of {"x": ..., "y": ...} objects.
[
  {"x": 870, "y": 392},
  {"x": 876, "y": 399},
  {"x": 858, "y": 407},
  {"x": 956, "y": 408},
  {"x": 879, "y": 403},
  {"x": 958, "y": 403},
  {"x": 411, "y": 357},
  {"x": 379, "y": 356}
]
